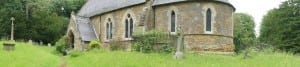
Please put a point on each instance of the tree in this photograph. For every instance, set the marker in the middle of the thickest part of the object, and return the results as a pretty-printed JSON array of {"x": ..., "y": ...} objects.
[
  {"x": 243, "y": 31},
  {"x": 68, "y": 5},
  {"x": 39, "y": 20},
  {"x": 12, "y": 8},
  {"x": 281, "y": 27}
]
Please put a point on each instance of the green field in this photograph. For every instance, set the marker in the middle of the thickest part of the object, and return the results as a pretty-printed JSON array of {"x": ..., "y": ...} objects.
[
  {"x": 27, "y": 55},
  {"x": 132, "y": 59}
]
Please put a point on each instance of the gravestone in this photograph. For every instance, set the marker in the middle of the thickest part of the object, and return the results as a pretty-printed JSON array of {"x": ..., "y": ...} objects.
[
  {"x": 179, "y": 50},
  {"x": 49, "y": 45},
  {"x": 41, "y": 43},
  {"x": 30, "y": 42},
  {"x": 9, "y": 46}
]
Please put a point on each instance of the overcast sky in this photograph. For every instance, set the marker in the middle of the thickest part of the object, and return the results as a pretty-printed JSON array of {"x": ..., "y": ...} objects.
[{"x": 256, "y": 8}]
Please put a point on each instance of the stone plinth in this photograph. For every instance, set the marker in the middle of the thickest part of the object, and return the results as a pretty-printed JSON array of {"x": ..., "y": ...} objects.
[{"x": 9, "y": 46}]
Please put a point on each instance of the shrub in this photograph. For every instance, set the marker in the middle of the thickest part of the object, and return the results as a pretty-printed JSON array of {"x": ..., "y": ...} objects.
[
  {"x": 94, "y": 44},
  {"x": 115, "y": 45},
  {"x": 61, "y": 46},
  {"x": 145, "y": 42},
  {"x": 167, "y": 48},
  {"x": 244, "y": 36},
  {"x": 75, "y": 53}
]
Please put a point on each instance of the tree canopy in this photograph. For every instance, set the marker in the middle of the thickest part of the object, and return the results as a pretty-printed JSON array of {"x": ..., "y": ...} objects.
[
  {"x": 243, "y": 31},
  {"x": 39, "y": 20},
  {"x": 281, "y": 27}
]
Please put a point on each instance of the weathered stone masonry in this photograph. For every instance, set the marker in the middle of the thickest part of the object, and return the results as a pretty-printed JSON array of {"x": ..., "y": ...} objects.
[{"x": 156, "y": 14}]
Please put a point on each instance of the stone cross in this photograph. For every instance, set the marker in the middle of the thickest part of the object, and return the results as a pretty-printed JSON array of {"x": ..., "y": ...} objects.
[
  {"x": 12, "y": 29},
  {"x": 179, "y": 50}
]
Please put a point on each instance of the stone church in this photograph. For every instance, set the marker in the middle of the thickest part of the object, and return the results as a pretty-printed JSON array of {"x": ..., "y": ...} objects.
[{"x": 207, "y": 24}]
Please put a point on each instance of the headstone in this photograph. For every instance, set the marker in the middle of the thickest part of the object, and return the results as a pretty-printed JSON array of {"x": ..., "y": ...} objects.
[
  {"x": 41, "y": 43},
  {"x": 49, "y": 45},
  {"x": 30, "y": 42},
  {"x": 179, "y": 50},
  {"x": 10, "y": 46}
]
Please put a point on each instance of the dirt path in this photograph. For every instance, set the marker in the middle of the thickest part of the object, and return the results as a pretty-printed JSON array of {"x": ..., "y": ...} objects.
[{"x": 63, "y": 62}]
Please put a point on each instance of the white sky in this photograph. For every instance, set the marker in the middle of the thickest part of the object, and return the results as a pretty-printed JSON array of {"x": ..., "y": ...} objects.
[{"x": 256, "y": 8}]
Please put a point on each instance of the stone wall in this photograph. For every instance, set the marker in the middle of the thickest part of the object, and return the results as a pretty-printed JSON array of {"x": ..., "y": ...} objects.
[
  {"x": 191, "y": 16},
  {"x": 72, "y": 30},
  {"x": 96, "y": 24},
  {"x": 209, "y": 43},
  {"x": 118, "y": 19}
]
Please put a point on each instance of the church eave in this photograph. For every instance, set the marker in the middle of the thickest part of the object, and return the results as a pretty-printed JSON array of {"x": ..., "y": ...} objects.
[
  {"x": 99, "y": 13},
  {"x": 96, "y": 7},
  {"x": 180, "y": 1}
]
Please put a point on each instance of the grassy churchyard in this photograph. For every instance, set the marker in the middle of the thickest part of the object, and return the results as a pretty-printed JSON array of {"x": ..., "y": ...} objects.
[{"x": 27, "y": 55}]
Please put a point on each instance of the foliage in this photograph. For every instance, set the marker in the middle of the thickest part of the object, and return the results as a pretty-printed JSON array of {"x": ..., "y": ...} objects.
[
  {"x": 94, "y": 44},
  {"x": 243, "y": 31},
  {"x": 167, "y": 48},
  {"x": 75, "y": 53},
  {"x": 38, "y": 20},
  {"x": 115, "y": 45},
  {"x": 281, "y": 27},
  {"x": 49, "y": 25},
  {"x": 62, "y": 46},
  {"x": 68, "y": 5},
  {"x": 145, "y": 42}
]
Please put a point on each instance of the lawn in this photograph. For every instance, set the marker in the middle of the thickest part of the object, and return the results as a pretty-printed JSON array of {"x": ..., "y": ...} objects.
[
  {"x": 27, "y": 55},
  {"x": 133, "y": 59}
]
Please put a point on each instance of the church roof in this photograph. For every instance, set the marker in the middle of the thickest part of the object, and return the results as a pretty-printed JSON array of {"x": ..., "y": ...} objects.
[
  {"x": 162, "y": 2},
  {"x": 95, "y": 7},
  {"x": 85, "y": 29}
]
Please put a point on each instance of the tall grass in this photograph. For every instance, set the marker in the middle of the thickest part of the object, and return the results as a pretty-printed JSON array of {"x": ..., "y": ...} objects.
[
  {"x": 133, "y": 59},
  {"x": 26, "y": 55}
]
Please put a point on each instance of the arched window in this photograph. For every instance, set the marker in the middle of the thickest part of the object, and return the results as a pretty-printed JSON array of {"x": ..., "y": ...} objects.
[
  {"x": 208, "y": 20},
  {"x": 131, "y": 27},
  {"x": 173, "y": 21},
  {"x": 109, "y": 29},
  {"x": 128, "y": 26}
]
